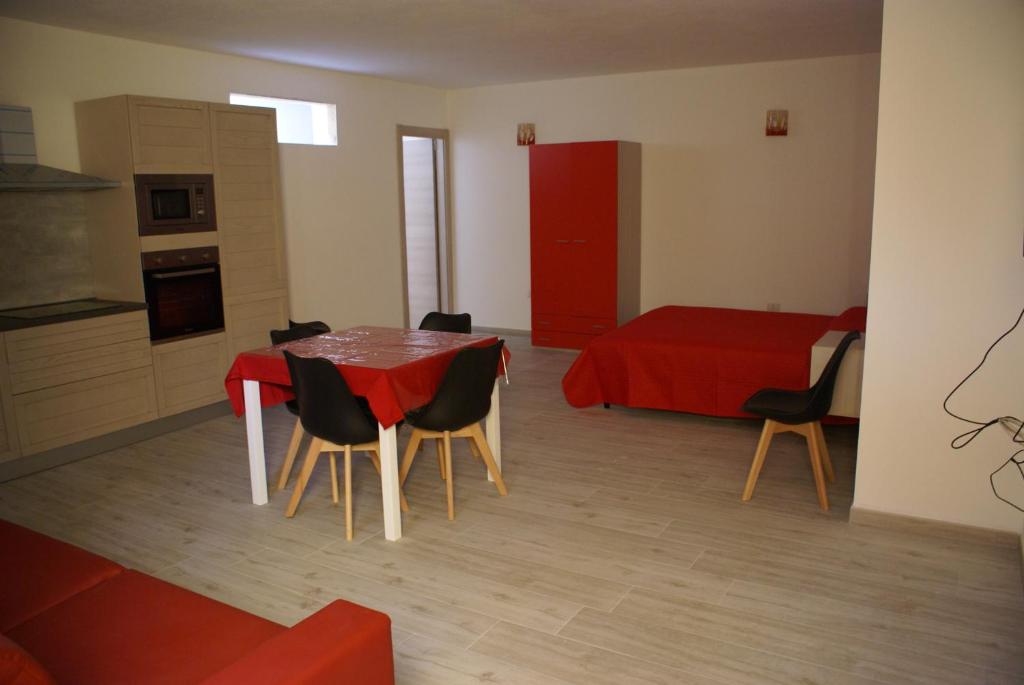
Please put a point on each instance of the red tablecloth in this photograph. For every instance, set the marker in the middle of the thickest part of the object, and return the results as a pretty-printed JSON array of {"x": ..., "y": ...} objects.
[
  {"x": 395, "y": 369},
  {"x": 703, "y": 360}
]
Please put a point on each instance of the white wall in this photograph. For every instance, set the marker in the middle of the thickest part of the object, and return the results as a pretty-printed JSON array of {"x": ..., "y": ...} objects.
[
  {"x": 340, "y": 204},
  {"x": 947, "y": 273},
  {"x": 730, "y": 217}
]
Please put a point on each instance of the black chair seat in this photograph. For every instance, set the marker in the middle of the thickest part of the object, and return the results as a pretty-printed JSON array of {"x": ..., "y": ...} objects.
[
  {"x": 794, "y": 407},
  {"x": 784, "y": 406}
]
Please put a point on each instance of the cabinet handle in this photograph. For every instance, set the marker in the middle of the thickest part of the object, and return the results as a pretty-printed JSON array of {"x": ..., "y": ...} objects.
[
  {"x": 580, "y": 241},
  {"x": 544, "y": 323},
  {"x": 559, "y": 240},
  {"x": 597, "y": 325}
]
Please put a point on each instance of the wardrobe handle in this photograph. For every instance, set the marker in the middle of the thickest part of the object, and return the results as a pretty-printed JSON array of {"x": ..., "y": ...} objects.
[
  {"x": 579, "y": 241},
  {"x": 597, "y": 325},
  {"x": 559, "y": 240}
]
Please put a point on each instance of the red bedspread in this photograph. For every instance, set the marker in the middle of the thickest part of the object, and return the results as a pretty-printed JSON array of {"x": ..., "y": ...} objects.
[{"x": 703, "y": 360}]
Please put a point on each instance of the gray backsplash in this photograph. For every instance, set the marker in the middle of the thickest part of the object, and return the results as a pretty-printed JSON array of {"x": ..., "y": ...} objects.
[{"x": 44, "y": 248}]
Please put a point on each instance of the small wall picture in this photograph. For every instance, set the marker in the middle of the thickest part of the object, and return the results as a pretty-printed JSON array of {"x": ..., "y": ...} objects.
[
  {"x": 777, "y": 122},
  {"x": 525, "y": 135}
]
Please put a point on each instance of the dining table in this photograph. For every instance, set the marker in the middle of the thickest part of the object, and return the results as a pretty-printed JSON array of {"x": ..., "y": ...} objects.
[{"x": 395, "y": 369}]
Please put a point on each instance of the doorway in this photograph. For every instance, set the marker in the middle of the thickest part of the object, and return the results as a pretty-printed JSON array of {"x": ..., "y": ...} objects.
[{"x": 424, "y": 213}]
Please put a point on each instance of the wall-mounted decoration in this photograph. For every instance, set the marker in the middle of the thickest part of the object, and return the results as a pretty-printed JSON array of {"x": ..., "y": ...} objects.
[
  {"x": 525, "y": 135},
  {"x": 777, "y": 122}
]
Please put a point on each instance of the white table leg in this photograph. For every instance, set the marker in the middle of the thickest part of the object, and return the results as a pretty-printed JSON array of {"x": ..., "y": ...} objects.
[
  {"x": 254, "y": 433},
  {"x": 389, "y": 482},
  {"x": 492, "y": 428}
]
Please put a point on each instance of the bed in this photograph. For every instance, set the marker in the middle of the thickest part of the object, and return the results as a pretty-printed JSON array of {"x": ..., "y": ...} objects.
[{"x": 702, "y": 360}]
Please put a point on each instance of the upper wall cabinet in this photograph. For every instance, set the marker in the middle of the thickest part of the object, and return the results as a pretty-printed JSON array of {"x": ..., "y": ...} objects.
[
  {"x": 248, "y": 211},
  {"x": 170, "y": 136}
]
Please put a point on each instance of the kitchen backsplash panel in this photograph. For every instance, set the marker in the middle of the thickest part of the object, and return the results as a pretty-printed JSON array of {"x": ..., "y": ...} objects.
[{"x": 44, "y": 249}]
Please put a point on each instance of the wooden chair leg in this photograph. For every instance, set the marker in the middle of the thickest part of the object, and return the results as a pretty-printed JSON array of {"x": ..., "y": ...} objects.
[
  {"x": 410, "y": 453},
  {"x": 307, "y": 468},
  {"x": 450, "y": 478},
  {"x": 755, "y": 467},
  {"x": 819, "y": 476},
  {"x": 289, "y": 458},
  {"x": 474, "y": 450},
  {"x": 348, "y": 492},
  {"x": 334, "y": 478},
  {"x": 440, "y": 456},
  {"x": 826, "y": 460},
  {"x": 485, "y": 454},
  {"x": 402, "y": 502}
]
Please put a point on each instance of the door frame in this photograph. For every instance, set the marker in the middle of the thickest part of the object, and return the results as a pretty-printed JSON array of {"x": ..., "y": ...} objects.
[{"x": 443, "y": 216}]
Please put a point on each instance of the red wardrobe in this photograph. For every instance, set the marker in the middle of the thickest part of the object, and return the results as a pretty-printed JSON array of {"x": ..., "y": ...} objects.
[{"x": 584, "y": 240}]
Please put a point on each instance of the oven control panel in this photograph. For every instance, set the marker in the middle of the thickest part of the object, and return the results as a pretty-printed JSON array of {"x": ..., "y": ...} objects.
[{"x": 193, "y": 256}]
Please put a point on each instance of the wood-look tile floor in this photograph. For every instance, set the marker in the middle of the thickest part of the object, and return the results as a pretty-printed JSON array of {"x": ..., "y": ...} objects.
[{"x": 621, "y": 555}]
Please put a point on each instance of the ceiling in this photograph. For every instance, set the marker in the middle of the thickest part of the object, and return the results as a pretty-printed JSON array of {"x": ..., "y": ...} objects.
[{"x": 462, "y": 43}]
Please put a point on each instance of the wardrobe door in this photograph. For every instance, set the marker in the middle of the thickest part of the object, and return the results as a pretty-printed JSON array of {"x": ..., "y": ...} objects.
[
  {"x": 593, "y": 235},
  {"x": 552, "y": 193}
]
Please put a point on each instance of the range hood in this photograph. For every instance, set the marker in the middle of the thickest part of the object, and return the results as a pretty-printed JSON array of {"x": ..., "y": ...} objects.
[{"x": 19, "y": 170}]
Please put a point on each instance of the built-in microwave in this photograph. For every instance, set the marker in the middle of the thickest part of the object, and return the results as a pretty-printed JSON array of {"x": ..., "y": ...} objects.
[{"x": 175, "y": 203}]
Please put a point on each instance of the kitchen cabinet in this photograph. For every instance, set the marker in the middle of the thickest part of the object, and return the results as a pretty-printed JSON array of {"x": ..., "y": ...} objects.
[
  {"x": 169, "y": 136},
  {"x": 8, "y": 431},
  {"x": 47, "y": 356},
  {"x": 584, "y": 240},
  {"x": 249, "y": 320},
  {"x": 247, "y": 187},
  {"x": 190, "y": 373},
  {"x": 78, "y": 379},
  {"x": 61, "y": 415}
]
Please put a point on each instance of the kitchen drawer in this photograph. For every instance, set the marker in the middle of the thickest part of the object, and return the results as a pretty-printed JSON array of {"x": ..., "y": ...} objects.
[
  {"x": 572, "y": 324},
  {"x": 190, "y": 373},
  {"x": 571, "y": 341},
  {"x": 46, "y": 356},
  {"x": 53, "y": 417}
]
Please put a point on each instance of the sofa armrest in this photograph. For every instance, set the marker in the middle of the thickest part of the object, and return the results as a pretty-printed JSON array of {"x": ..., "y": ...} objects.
[{"x": 341, "y": 643}]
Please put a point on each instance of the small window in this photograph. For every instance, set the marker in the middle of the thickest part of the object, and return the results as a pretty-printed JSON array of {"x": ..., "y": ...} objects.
[{"x": 298, "y": 121}]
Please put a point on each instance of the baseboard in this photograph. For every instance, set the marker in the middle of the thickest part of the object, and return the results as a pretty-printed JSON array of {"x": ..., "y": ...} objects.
[
  {"x": 34, "y": 463},
  {"x": 942, "y": 529},
  {"x": 500, "y": 331}
]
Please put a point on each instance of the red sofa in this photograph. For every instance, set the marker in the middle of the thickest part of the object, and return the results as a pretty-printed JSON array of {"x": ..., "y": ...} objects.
[{"x": 70, "y": 616}]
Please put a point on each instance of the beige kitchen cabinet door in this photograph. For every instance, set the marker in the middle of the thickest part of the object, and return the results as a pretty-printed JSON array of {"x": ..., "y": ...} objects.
[
  {"x": 250, "y": 321},
  {"x": 170, "y": 136},
  {"x": 8, "y": 433},
  {"x": 53, "y": 417},
  {"x": 248, "y": 199},
  {"x": 190, "y": 373},
  {"x": 46, "y": 356}
]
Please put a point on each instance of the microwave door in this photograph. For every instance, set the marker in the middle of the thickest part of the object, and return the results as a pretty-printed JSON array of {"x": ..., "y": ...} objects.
[{"x": 171, "y": 204}]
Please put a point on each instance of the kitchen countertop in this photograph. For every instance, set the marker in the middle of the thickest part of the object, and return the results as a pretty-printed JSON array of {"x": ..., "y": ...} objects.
[{"x": 11, "y": 323}]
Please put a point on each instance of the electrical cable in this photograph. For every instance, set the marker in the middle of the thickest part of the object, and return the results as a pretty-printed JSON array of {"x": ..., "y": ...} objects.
[{"x": 964, "y": 439}]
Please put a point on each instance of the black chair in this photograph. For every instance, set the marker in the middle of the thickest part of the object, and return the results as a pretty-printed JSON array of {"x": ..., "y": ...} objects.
[
  {"x": 450, "y": 323},
  {"x": 317, "y": 326},
  {"x": 799, "y": 411},
  {"x": 337, "y": 422},
  {"x": 295, "y": 331},
  {"x": 461, "y": 402}
]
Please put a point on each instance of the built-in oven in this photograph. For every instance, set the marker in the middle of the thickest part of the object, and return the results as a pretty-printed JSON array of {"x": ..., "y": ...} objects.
[
  {"x": 183, "y": 292},
  {"x": 175, "y": 203}
]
